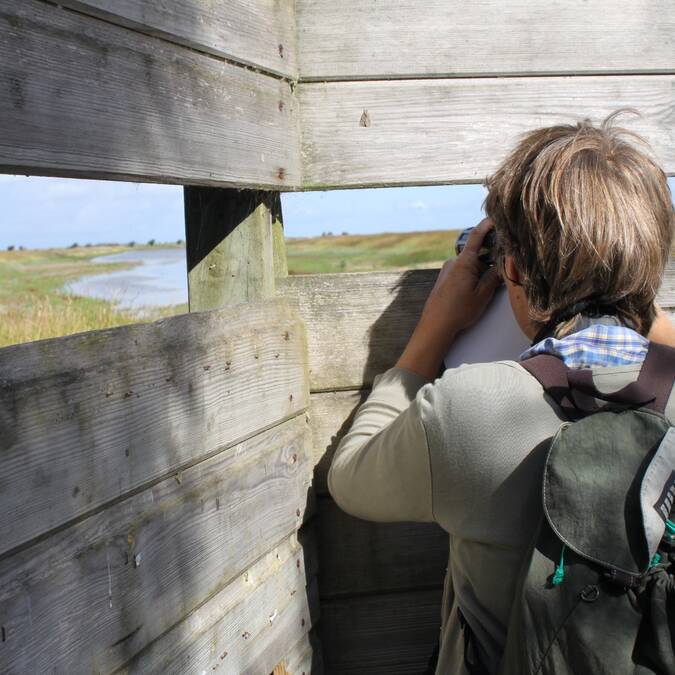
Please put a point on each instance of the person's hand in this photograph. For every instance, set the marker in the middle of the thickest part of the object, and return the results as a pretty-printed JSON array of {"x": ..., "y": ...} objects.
[
  {"x": 459, "y": 297},
  {"x": 464, "y": 286}
]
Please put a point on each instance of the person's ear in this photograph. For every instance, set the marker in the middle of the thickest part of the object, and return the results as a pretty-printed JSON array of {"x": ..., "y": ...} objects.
[{"x": 511, "y": 272}]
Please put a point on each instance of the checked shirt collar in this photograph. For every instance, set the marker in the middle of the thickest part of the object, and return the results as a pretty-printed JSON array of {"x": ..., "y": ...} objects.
[{"x": 598, "y": 342}]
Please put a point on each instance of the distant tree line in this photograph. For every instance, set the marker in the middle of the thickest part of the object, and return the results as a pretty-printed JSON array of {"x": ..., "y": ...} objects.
[{"x": 151, "y": 242}]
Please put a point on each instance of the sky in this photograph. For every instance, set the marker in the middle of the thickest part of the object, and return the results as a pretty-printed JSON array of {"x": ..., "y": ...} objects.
[{"x": 50, "y": 212}]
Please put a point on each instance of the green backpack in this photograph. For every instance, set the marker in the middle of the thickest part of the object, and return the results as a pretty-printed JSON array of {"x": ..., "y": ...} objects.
[{"x": 597, "y": 593}]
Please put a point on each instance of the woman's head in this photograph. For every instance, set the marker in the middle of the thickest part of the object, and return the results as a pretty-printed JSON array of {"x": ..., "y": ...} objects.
[{"x": 585, "y": 213}]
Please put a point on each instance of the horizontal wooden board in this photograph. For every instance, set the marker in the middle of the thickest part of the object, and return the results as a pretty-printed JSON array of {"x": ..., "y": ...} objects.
[
  {"x": 352, "y": 39},
  {"x": 330, "y": 416},
  {"x": 304, "y": 658},
  {"x": 87, "y": 418},
  {"x": 245, "y": 628},
  {"x": 357, "y": 556},
  {"x": 92, "y": 596},
  {"x": 259, "y": 33},
  {"x": 359, "y": 323},
  {"x": 129, "y": 106},
  {"x": 369, "y": 635},
  {"x": 409, "y": 132}
]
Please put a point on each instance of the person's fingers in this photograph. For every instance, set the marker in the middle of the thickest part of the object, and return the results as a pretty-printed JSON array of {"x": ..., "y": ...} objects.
[
  {"x": 475, "y": 240},
  {"x": 489, "y": 282}
]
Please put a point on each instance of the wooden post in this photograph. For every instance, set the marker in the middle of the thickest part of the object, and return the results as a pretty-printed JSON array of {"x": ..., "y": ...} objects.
[{"x": 235, "y": 245}]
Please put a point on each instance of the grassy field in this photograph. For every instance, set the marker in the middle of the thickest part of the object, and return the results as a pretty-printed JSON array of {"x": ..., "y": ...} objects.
[
  {"x": 360, "y": 253},
  {"x": 34, "y": 304}
]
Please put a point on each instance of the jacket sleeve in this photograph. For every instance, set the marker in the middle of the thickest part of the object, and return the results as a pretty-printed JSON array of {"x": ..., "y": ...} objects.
[{"x": 381, "y": 469}]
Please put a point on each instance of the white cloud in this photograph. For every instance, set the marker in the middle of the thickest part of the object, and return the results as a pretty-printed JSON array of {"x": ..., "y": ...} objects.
[
  {"x": 39, "y": 212},
  {"x": 420, "y": 205}
]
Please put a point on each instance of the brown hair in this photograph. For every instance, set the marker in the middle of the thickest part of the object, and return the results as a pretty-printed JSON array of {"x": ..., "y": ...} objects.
[{"x": 587, "y": 214}]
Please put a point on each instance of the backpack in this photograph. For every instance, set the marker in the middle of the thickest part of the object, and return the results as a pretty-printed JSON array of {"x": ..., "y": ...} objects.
[{"x": 596, "y": 594}]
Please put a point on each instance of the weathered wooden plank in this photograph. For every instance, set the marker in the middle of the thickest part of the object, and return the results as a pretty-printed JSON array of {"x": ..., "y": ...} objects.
[
  {"x": 127, "y": 106},
  {"x": 305, "y": 658},
  {"x": 229, "y": 237},
  {"x": 87, "y": 418},
  {"x": 352, "y": 39},
  {"x": 357, "y": 556},
  {"x": 394, "y": 633},
  {"x": 280, "y": 260},
  {"x": 666, "y": 295},
  {"x": 357, "y": 134},
  {"x": 330, "y": 416},
  {"x": 365, "y": 318},
  {"x": 92, "y": 596},
  {"x": 258, "y": 33},
  {"x": 245, "y": 628},
  {"x": 359, "y": 323}
]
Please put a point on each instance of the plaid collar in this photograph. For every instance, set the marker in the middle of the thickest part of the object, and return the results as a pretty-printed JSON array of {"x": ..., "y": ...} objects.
[{"x": 598, "y": 345}]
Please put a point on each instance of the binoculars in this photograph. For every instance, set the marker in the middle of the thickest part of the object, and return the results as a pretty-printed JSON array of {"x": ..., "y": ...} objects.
[{"x": 487, "y": 249}]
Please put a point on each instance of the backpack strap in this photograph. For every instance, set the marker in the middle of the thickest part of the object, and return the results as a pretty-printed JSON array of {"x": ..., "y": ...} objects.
[
  {"x": 651, "y": 389},
  {"x": 551, "y": 373},
  {"x": 658, "y": 373}
]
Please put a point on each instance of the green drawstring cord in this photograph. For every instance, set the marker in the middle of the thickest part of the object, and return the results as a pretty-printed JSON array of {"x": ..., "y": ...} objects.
[
  {"x": 670, "y": 526},
  {"x": 559, "y": 573}
]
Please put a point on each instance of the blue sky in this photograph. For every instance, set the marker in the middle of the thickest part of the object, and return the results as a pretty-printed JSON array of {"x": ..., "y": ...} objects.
[{"x": 42, "y": 212}]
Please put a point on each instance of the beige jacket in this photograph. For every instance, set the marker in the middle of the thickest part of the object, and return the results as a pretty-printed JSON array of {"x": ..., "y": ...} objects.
[{"x": 467, "y": 452}]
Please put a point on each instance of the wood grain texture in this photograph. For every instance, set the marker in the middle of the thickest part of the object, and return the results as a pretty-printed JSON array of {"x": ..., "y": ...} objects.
[
  {"x": 258, "y": 33},
  {"x": 245, "y": 628},
  {"x": 87, "y": 418},
  {"x": 359, "y": 323},
  {"x": 352, "y": 39},
  {"x": 229, "y": 240},
  {"x": 383, "y": 634},
  {"x": 280, "y": 261},
  {"x": 361, "y": 557},
  {"x": 330, "y": 417},
  {"x": 358, "y": 134},
  {"x": 304, "y": 658},
  {"x": 92, "y": 596},
  {"x": 128, "y": 106}
]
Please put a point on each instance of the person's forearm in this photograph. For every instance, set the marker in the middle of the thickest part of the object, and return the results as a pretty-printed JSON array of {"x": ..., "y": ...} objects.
[
  {"x": 460, "y": 295},
  {"x": 426, "y": 349}
]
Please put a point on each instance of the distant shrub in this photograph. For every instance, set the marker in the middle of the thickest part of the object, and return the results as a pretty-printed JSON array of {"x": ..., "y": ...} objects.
[
  {"x": 10, "y": 248},
  {"x": 151, "y": 242},
  {"x": 87, "y": 245},
  {"x": 131, "y": 243},
  {"x": 345, "y": 234},
  {"x": 179, "y": 242},
  {"x": 74, "y": 245},
  {"x": 21, "y": 248}
]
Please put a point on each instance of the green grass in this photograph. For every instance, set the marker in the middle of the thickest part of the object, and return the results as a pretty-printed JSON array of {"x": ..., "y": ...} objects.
[
  {"x": 34, "y": 305},
  {"x": 361, "y": 253}
]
